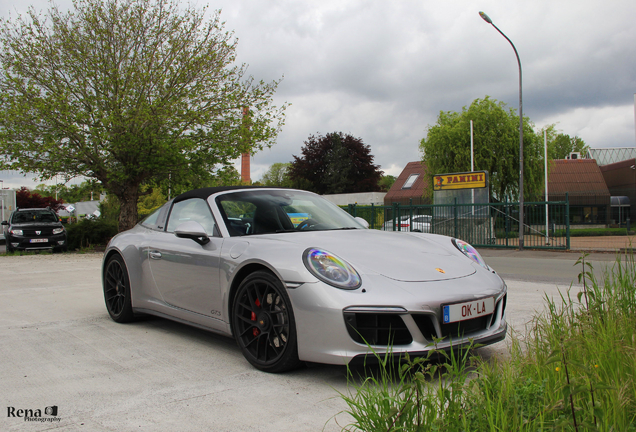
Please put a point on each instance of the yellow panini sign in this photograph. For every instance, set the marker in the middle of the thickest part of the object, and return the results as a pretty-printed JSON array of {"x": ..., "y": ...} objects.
[{"x": 469, "y": 180}]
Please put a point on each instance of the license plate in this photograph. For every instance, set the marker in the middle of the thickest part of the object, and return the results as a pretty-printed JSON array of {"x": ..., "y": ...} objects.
[
  {"x": 468, "y": 310},
  {"x": 43, "y": 240}
]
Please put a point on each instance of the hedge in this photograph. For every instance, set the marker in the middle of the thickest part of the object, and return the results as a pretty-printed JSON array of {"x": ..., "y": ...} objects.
[
  {"x": 90, "y": 232},
  {"x": 591, "y": 232}
]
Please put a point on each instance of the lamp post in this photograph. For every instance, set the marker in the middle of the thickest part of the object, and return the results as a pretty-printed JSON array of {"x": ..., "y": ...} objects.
[
  {"x": 2, "y": 201},
  {"x": 521, "y": 225}
]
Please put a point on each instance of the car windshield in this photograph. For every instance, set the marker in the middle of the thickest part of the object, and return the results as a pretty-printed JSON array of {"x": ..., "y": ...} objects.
[
  {"x": 34, "y": 216},
  {"x": 275, "y": 211}
]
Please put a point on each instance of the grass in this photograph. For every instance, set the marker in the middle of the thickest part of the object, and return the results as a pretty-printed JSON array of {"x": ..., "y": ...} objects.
[
  {"x": 83, "y": 250},
  {"x": 574, "y": 371},
  {"x": 591, "y": 232}
]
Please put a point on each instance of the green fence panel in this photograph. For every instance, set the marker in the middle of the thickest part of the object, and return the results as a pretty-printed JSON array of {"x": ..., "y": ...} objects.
[{"x": 483, "y": 225}]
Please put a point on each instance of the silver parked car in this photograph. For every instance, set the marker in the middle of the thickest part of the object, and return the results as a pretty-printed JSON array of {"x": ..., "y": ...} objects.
[
  {"x": 418, "y": 223},
  {"x": 294, "y": 278}
]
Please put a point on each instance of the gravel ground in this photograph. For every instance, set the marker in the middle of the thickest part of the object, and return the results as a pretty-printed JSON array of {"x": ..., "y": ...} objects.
[{"x": 60, "y": 348}]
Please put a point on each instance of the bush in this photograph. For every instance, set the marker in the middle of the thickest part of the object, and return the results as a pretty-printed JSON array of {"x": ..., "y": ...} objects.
[
  {"x": 499, "y": 233},
  {"x": 573, "y": 371},
  {"x": 591, "y": 232},
  {"x": 90, "y": 232}
]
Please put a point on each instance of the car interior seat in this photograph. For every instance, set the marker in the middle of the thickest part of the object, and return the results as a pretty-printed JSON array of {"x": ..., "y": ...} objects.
[{"x": 271, "y": 219}]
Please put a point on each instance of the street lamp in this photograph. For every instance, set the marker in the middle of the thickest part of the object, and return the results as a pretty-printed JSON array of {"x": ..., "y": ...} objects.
[
  {"x": 521, "y": 225},
  {"x": 2, "y": 201}
]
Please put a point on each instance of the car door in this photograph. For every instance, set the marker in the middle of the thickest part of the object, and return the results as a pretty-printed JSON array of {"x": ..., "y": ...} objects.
[{"x": 185, "y": 272}]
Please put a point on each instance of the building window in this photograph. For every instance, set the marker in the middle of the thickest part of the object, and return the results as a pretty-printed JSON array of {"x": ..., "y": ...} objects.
[
  {"x": 409, "y": 182},
  {"x": 580, "y": 215}
]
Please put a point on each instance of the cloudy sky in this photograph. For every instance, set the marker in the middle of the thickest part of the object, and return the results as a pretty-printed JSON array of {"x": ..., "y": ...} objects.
[{"x": 383, "y": 70}]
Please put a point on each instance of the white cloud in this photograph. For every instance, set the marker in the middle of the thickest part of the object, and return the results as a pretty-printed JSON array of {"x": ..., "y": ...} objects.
[
  {"x": 611, "y": 126},
  {"x": 382, "y": 70}
]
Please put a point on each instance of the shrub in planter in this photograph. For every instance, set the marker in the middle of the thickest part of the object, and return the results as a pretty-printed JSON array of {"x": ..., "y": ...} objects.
[
  {"x": 499, "y": 233},
  {"x": 90, "y": 232},
  {"x": 591, "y": 232}
]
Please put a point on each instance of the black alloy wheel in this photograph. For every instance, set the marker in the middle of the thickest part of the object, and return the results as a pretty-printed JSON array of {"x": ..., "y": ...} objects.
[
  {"x": 117, "y": 290},
  {"x": 263, "y": 323}
]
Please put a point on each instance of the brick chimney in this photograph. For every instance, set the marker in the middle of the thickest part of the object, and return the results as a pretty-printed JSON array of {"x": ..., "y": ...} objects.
[
  {"x": 245, "y": 168},
  {"x": 245, "y": 159}
]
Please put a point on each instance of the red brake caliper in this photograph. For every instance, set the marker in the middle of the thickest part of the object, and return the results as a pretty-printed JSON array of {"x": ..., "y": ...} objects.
[{"x": 255, "y": 331}]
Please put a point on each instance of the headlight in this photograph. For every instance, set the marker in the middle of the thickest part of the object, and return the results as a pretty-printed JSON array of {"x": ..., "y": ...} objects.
[
  {"x": 470, "y": 252},
  {"x": 331, "y": 269},
  {"x": 58, "y": 230},
  {"x": 16, "y": 232}
]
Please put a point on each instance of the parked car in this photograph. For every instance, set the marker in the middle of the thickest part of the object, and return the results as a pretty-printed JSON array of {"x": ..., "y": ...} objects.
[
  {"x": 421, "y": 223},
  {"x": 295, "y": 278},
  {"x": 34, "y": 229}
]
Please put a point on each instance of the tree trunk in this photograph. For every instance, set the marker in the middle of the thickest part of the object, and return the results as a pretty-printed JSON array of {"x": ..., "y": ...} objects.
[{"x": 128, "y": 207}]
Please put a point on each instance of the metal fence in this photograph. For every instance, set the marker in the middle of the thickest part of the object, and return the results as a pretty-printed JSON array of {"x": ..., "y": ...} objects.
[
  {"x": 483, "y": 225},
  {"x": 496, "y": 225}
]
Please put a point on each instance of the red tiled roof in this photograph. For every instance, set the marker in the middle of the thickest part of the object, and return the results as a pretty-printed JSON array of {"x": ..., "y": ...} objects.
[
  {"x": 396, "y": 193},
  {"x": 577, "y": 177}
]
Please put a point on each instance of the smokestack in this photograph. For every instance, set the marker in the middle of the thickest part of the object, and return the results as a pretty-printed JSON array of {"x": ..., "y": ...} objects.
[
  {"x": 245, "y": 168},
  {"x": 245, "y": 158}
]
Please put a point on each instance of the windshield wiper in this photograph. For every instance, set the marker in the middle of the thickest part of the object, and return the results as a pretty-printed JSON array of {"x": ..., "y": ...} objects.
[{"x": 345, "y": 228}]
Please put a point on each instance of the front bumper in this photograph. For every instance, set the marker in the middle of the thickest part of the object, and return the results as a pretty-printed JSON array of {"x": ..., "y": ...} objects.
[
  {"x": 336, "y": 326},
  {"x": 26, "y": 243}
]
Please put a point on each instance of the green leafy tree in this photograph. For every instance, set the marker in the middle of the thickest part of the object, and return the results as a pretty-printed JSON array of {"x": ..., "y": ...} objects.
[
  {"x": 560, "y": 145},
  {"x": 496, "y": 147},
  {"x": 150, "y": 202},
  {"x": 335, "y": 163},
  {"x": 86, "y": 191},
  {"x": 26, "y": 199},
  {"x": 128, "y": 92},
  {"x": 386, "y": 182},
  {"x": 277, "y": 175},
  {"x": 225, "y": 175}
]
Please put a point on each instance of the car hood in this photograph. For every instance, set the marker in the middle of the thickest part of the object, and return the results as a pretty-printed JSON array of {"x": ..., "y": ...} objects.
[
  {"x": 399, "y": 256},
  {"x": 35, "y": 225}
]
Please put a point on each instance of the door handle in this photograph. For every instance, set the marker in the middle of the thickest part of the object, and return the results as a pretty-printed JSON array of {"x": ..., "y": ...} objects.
[{"x": 155, "y": 255}]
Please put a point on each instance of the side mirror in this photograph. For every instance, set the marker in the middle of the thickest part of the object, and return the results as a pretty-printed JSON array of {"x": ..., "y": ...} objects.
[
  {"x": 362, "y": 222},
  {"x": 192, "y": 230},
  {"x": 5, "y": 223}
]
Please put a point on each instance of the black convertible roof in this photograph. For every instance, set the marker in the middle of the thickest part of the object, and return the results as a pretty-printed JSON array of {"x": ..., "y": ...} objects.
[{"x": 204, "y": 193}]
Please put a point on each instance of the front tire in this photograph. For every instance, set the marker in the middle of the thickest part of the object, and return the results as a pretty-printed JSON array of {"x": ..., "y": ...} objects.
[
  {"x": 263, "y": 323},
  {"x": 117, "y": 293}
]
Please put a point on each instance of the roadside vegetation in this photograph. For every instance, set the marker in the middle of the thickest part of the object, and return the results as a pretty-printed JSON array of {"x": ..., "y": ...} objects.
[
  {"x": 23, "y": 253},
  {"x": 88, "y": 233},
  {"x": 591, "y": 232},
  {"x": 573, "y": 371}
]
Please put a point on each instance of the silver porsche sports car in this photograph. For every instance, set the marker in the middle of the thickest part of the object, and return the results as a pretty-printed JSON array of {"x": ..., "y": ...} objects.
[{"x": 294, "y": 278}]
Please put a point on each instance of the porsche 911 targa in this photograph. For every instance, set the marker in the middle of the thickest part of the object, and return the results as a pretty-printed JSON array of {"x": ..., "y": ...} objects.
[{"x": 294, "y": 278}]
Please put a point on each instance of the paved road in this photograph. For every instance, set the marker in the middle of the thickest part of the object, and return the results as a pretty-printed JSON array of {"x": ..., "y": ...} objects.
[
  {"x": 543, "y": 266},
  {"x": 59, "y": 347}
]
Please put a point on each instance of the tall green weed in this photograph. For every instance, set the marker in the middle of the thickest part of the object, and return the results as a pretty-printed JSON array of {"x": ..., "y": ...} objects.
[{"x": 574, "y": 371}]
